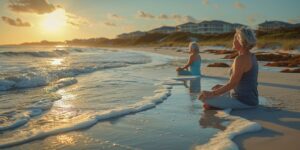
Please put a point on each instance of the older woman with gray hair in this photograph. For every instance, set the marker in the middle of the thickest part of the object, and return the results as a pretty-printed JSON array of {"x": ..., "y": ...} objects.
[
  {"x": 240, "y": 91},
  {"x": 194, "y": 62}
]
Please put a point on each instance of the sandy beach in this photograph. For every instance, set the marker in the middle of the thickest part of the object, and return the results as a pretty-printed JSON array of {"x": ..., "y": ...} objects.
[
  {"x": 280, "y": 122},
  {"x": 149, "y": 75},
  {"x": 88, "y": 116}
]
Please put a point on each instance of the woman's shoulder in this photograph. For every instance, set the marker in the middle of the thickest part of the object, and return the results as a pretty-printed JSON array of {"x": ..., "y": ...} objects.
[
  {"x": 243, "y": 61},
  {"x": 241, "y": 58},
  {"x": 195, "y": 57}
]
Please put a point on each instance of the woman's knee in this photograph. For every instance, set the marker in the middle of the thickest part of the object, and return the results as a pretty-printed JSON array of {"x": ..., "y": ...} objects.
[
  {"x": 184, "y": 72},
  {"x": 222, "y": 102},
  {"x": 215, "y": 101}
]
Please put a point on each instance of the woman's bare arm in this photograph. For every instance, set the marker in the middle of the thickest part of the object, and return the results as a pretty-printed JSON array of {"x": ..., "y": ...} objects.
[
  {"x": 238, "y": 70},
  {"x": 190, "y": 61},
  {"x": 217, "y": 87}
]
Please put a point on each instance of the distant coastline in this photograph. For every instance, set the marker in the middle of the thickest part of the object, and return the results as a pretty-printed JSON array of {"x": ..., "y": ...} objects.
[{"x": 287, "y": 39}]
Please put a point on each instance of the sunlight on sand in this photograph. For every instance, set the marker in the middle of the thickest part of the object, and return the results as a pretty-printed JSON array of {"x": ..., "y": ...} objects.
[
  {"x": 65, "y": 97},
  {"x": 66, "y": 140}
]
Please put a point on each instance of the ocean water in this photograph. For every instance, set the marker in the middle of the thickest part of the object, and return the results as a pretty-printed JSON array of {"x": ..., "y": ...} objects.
[{"x": 46, "y": 91}]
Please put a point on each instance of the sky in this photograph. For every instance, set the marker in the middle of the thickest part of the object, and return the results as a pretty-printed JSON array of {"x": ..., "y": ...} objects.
[{"x": 59, "y": 20}]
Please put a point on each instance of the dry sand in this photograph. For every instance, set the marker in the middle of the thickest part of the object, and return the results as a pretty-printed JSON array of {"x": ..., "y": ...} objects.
[{"x": 281, "y": 122}]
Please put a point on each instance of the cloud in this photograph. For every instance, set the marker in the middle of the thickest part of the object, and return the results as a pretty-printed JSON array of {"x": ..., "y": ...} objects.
[
  {"x": 205, "y": 2},
  {"x": 110, "y": 24},
  {"x": 31, "y": 6},
  {"x": 42, "y": 7},
  {"x": 18, "y": 22},
  {"x": 114, "y": 17},
  {"x": 142, "y": 14},
  {"x": 163, "y": 16},
  {"x": 239, "y": 5},
  {"x": 188, "y": 19},
  {"x": 111, "y": 19},
  {"x": 175, "y": 17},
  {"x": 74, "y": 23},
  {"x": 76, "y": 20}
]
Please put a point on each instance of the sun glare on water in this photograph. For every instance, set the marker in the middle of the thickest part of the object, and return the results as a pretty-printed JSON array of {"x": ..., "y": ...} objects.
[
  {"x": 56, "y": 61},
  {"x": 54, "y": 21}
]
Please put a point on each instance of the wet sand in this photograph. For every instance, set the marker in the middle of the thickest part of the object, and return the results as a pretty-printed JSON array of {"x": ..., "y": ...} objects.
[
  {"x": 177, "y": 123},
  {"x": 280, "y": 122}
]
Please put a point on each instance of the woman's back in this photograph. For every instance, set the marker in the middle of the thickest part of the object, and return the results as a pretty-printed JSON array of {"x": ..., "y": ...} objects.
[{"x": 195, "y": 66}]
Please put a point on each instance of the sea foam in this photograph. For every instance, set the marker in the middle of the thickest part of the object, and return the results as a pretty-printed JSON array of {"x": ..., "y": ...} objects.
[
  {"x": 54, "y": 53},
  {"x": 35, "y": 79},
  {"x": 14, "y": 124},
  {"x": 223, "y": 139},
  {"x": 90, "y": 118},
  {"x": 61, "y": 83},
  {"x": 15, "y": 119},
  {"x": 84, "y": 63}
]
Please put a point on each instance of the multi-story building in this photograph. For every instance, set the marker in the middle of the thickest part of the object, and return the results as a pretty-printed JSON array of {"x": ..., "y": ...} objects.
[
  {"x": 271, "y": 25},
  {"x": 187, "y": 27},
  {"x": 208, "y": 27}
]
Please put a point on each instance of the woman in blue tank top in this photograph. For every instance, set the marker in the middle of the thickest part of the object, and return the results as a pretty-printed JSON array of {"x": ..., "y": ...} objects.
[
  {"x": 194, "y": 62},
  {"x": 241, "y": 90}
]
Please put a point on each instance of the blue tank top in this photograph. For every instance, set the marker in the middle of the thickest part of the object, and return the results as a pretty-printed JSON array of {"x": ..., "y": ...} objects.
[
  {"x": 246, "y": 90},
  {"x": 195, "y": 67}
]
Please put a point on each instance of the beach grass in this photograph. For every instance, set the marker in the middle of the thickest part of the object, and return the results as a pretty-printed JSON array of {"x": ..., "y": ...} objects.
[
  {"x": 287, "y": 39},
  {"x": 286, "y": 44}
]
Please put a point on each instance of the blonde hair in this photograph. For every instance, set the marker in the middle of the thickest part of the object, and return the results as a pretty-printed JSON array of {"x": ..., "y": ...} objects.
[
  {"x": 246, "y": 37},
  {"x": 194, "y": 46}
]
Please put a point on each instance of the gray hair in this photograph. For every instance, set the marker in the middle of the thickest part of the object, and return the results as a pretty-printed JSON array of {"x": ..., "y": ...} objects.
[
  {"x": 194, "y": 46},
  {"x": 246, "y": 37}
]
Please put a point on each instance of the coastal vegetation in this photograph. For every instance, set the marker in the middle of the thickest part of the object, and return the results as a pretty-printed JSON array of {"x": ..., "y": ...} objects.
[{"x": 284, "y": 38}]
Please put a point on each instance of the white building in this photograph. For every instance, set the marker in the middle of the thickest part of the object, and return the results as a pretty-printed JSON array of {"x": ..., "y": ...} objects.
[
  {"x": 163, "y": 29},
  {"x": 208, "y": 27},
  {"x": 131, "y": 35},
  {"x": 187, "y": 27},
  {"x": 271, "y": 25}
]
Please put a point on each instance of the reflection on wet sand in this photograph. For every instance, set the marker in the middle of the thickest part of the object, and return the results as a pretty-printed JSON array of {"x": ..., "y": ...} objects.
[
  {"x": 195, "y": 85},
  {"x": 209, "y": 120}
]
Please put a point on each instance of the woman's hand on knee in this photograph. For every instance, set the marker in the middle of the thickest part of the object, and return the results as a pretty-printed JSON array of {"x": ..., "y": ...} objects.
[
  {"x": 179, "y": 69},
  {"x": 204, "y": 95},
  {"x": 216, "y": 87}
]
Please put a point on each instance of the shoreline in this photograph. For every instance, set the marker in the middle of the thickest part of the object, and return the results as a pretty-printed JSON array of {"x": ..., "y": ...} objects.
[{"x": 280, "y": 123}]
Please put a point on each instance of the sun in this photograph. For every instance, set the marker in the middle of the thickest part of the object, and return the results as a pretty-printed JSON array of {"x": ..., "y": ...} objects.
[{"x": 55, "y": 21}]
